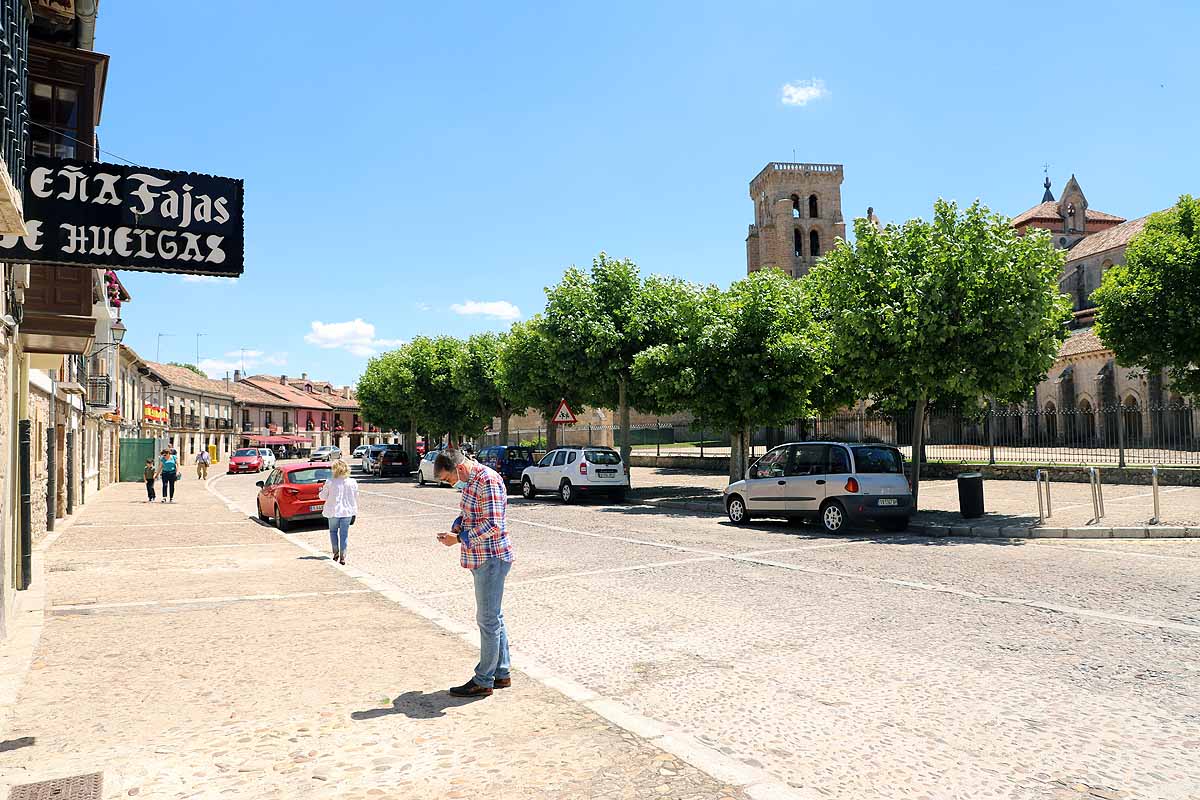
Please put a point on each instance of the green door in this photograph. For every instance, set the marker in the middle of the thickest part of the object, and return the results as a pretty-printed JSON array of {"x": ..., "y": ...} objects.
[{"x": 134, "y": 453}]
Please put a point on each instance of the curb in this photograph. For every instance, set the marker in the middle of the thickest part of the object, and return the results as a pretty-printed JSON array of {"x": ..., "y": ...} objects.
[{"x": 757, "y": 783}]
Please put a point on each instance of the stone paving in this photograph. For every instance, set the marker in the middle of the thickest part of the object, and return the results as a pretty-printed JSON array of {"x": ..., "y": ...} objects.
[
  {"x": 864, "y": 667},
  {"x": 190, "y": 653},
  {"x": 1008, "y": 503}
]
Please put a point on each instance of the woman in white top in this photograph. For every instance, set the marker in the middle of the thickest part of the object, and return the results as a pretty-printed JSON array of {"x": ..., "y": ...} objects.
[{"x": 340, "y": 494}]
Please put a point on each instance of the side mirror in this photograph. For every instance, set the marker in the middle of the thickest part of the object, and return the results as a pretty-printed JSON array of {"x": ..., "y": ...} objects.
[
  {"x": 260, "y": 484},
  {"x": 752, "y": 472}
]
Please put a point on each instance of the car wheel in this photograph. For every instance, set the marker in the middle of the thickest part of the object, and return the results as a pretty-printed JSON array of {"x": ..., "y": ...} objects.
[
  {"x": 281, "y": 522},
  {"x": 261, "y": 515},
  {"x": 420, "y": 477},
  {"x": 895, "y": 525},
  {"x": 566, "y": 492},
  {"x": 833, "y": 517},
  {"x": 736, "y": 509},
  {"x": 527, "y": 490}
]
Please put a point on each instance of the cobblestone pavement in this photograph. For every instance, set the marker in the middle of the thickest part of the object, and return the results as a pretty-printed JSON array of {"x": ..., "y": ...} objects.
[
  {"x": 862, "y": 667},
  {"x": 1007, "y": 502},
  {"x": 190, "y": 652}
]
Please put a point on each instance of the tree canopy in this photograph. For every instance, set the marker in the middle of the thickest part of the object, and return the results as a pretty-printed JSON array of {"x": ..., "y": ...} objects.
[
  {"x": 477, "y": 375},
  {"x": 1148, "y": 307},
  {"x": 526, "y": 370}
]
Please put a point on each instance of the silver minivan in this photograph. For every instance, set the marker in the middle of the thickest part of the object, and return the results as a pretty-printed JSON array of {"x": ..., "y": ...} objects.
[{"x": 836, "y": 483}]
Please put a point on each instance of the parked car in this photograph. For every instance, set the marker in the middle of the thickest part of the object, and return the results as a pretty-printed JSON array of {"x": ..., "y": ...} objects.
[
  {"x": 326, "y": 453},
  {"x": 358, "y": 451},
  {"x": 247, "y": 459},
  {"x": 392, "y": 459},
  {"x": 573, "y": 471},
  {"x": 268, "y": 456},
  {"x": 367, "y": 457},
  {"x": 291, "y": 494},
  {"x": 836, "y": 483},
  {"x": 425, "y": 469},
  {"x": 508, "y": 460}
]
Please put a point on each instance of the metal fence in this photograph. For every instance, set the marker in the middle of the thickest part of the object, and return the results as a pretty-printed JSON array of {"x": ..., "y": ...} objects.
[{"x": 1114, "y": 436}]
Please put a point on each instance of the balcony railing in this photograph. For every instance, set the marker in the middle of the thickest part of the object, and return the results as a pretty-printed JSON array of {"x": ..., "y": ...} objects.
[
  {"x": 14, "y": 111},
  {"x": 99, "y": 391},
  {"x": 247, "y": 427},
  {"x": 218, "y": 424},
  {"x": 185, "y": 421}
]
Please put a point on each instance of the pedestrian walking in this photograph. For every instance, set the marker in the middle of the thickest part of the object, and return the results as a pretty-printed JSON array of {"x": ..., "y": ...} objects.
[
  {"x": 202, "y": 462},
  {"x": 481, "y": 533},
  {"x": 150, "y": 474},
  {"x": 340, "y": 494},
  {"x": 169, "y": 470}
]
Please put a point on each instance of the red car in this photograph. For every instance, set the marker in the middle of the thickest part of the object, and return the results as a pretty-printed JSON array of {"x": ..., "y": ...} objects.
[
  {"x": 247, "y": 459},
  {"x": 291, "y": 494}
]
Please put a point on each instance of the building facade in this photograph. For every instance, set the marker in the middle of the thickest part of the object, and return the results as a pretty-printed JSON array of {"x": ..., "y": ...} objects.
[
  {"x": 797, "y": 216},
  {"x": 200, "y": 410}
]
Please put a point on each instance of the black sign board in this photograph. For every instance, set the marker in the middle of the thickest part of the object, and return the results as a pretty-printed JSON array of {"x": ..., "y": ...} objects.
[{"x": 110, "y": 216}]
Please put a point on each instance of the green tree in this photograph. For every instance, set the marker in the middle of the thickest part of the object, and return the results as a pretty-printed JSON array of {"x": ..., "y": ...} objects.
[
  {"x": 192, "y": 367},
  {"x": 437, "y": 403},
  {"x": 750, "y": 356},
  {"x": 477, "y": 375},
  {"x": 386, "y": 395},
  {"x": 960, "y": 307},
  {"x": 1148, "y": 307},
  {"x": 600, "y": 320},
  {"x": 525, "y": 368}
]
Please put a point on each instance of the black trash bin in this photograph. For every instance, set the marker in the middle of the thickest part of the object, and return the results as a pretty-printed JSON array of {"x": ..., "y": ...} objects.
[{"x": 970, "y": 494}]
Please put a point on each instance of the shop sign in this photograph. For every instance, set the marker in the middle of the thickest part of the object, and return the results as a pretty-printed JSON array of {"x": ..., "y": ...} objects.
[{"x": 113, "y": 216}]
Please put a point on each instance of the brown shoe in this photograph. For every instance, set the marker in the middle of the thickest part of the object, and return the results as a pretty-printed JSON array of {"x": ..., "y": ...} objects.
[
  {"x": 470, "y": 689},
  {"x": 502, "y": 683}
]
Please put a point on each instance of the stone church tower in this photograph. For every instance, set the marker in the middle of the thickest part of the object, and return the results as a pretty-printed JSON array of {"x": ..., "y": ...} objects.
[{"x": 797, "y": 216}]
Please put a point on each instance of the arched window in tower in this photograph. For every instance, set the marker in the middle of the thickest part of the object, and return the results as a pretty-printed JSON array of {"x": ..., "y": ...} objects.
[
  {"x": 812, "y": 206},
  {"x": 798, "y": 241},
  {"x": 814, "y": 244},
  {"x": 795, "y": 206}
]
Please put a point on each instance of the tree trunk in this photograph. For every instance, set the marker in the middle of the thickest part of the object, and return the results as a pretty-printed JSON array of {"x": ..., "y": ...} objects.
[
  {"x": 739, "y": 449},
  {"x": 918, "y": 445},
  {"x": 551, "y": 428},
  {"x": 504, "y": 415},
  {"x": 411, "y": 436},
  {"x": 623, "y": 413}
]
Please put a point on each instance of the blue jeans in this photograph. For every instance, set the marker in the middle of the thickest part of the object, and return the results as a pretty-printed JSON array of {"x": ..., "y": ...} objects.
[
  {"x": 168, "y": 483},
  {"x": 493, "y": 637},
  {"x": 339, "y": 529}
]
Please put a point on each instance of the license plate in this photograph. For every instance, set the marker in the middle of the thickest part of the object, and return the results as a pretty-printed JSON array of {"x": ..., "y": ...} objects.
[
  {"x": 314, "y": 508},
  {"x": 888, "y": 501},
  {"x": 606, "y": 473}
]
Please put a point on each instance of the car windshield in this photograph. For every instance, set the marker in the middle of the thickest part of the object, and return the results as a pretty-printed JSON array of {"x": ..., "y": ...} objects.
[
  {"x": 874, "y": 460},
  {"x": 246, "y": 453},
  {"x": 602, "y": 456},
  {"x": 520, "y": 454},
  {"x": 311, "y": 475}
]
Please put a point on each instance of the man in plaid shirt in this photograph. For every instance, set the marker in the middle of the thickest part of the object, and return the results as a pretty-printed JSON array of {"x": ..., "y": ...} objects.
[{"x": 481, "y": 533}]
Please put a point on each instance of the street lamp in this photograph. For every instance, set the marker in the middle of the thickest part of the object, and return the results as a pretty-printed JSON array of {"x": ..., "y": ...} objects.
[{"x": 117, "y": 331}]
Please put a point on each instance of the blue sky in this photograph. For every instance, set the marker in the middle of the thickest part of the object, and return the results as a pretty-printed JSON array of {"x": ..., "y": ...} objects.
[{"x": 428, "y": 168}]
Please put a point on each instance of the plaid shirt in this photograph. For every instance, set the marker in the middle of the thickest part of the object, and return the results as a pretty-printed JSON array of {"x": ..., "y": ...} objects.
[{"x": 483, "y": 530}]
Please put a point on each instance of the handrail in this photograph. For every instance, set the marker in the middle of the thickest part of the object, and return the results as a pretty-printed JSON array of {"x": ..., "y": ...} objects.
[{"x": 1042, "y": 476}]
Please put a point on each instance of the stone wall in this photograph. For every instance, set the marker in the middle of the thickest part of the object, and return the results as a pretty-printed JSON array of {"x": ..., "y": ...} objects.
[{"x": 39, "y": 417}]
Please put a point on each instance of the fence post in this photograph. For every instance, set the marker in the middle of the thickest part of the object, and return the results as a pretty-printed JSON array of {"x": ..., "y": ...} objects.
[
  {"x": 589, "y": 434},
  {"x": 657, "y": 439},
  {"x": 991, "y": 432},
  {"x": 702, "y": 441},
  {"x": 1154, "y": 479},
  {"x": 1120, "y": 435}
]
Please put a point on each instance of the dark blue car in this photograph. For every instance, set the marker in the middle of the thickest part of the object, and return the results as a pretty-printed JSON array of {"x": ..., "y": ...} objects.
[{"x": 508, "y": 460}]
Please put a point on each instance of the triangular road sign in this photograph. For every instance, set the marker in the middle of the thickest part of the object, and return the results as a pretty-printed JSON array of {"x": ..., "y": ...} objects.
[{"x": 564, "y": 415}]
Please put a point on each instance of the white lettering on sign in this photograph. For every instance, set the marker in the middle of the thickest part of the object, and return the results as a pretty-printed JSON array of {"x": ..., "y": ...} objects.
[{"x": 104, "y": 241}]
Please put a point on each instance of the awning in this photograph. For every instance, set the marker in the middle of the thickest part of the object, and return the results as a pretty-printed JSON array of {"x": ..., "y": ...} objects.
[{"x": 279, "y": 439}]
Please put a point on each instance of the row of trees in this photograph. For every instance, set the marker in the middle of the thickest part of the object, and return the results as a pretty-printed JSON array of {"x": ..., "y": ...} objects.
[{"x": 948, "y": 311}]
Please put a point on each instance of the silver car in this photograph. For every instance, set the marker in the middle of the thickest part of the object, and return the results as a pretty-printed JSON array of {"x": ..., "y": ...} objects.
[
  {"x": 326, "y": 453},
  {"x": 835, "y": 483}
]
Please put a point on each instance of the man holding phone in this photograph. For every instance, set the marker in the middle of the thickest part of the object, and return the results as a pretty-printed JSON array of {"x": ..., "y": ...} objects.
[{"x": 481, "y": 533}]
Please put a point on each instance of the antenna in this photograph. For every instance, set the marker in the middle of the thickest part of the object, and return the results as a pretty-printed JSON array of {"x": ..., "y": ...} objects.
[
  {"x": 1046, "y": 170},
  {"x": 158, "y": 349},
  {"x": 198, "y": 335}
]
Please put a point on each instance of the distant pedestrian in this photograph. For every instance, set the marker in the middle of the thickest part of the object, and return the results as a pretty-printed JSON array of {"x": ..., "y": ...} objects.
[
  {"x": 202, "y": 462},
  {"x": 150, "y": 473},
  {"x": 169, "y": 470},
  {"x": 340, "y": 494},
  {"x": 484, "y": 548}
]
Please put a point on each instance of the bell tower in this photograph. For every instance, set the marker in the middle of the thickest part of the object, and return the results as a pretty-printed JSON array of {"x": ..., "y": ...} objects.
[{"x": 797, "y": 216}]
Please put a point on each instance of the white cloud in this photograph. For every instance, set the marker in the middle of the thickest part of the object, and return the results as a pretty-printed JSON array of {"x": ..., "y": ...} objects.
[
  {"x": 250, "y": 362},
  {"x": 356, "y": 337},
  {"x": 801, "y": 93},
  {"x": 245, "y": 353},
  {"x": 497, "y": 309},
  {"x": 206, "y": 279},
  {"x": 424, "y": 307}
]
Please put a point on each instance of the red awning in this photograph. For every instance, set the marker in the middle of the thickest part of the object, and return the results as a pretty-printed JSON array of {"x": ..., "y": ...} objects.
[{"x": 280, "y": 439}]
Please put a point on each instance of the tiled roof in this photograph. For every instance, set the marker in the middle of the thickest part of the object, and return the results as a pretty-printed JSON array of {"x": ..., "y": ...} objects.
[
  {"x": 334, "y": 398},
  {"x": 251, "y": 395},
  {"x": 1049, "y": 211},
  {"x": 1081, "y": 342},
  {"x": 1116, "y": 236},
  {"x": 186, "y": 379},
  {"x": 271, "y": 385}
]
